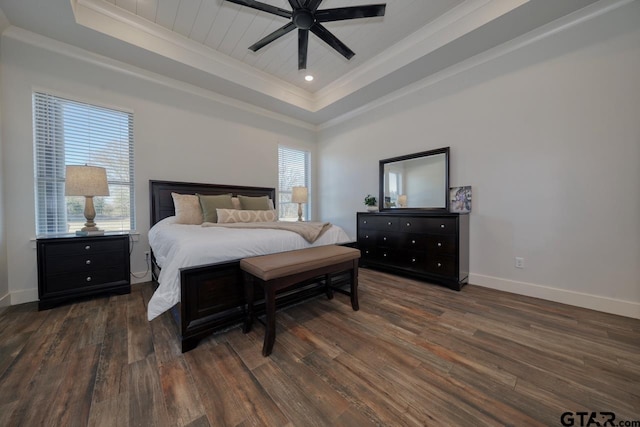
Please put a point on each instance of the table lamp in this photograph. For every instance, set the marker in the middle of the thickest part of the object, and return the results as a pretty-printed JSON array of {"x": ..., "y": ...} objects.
[
  {"x": 299, "y": 195},
  {"x": 87, "y": 181}
]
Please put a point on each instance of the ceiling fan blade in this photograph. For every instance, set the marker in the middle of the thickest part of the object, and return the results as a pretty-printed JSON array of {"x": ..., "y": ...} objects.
[
  {"x": 332, "y": 40},
  {"x": 295, "y": 4},
  {"x": 271, "y": 37},
  {"x": 263, "y": 7},
  {"x": 303, "y": 44},
  {"x": 312, "y": 5},
  {"x": 354, "y": 12}
]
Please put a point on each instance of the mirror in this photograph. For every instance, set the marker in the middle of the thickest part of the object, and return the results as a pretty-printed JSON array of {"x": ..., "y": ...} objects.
[{"x": 415, "y": 181}]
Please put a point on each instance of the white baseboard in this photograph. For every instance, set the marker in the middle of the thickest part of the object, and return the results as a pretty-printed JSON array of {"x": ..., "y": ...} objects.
[
  {"x": 24, "y": 296},
  {"x": 578, "y": 299},
  {"x": 5, "y": 300}
]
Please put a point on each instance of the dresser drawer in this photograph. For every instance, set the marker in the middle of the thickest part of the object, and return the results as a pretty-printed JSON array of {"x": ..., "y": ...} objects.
[
  {"x": 85, "y": 262},
  {"x": 435, "y": 225},
  {"x": 374, "y": 222},
  {"x": 88, "y": 246},
  {"x": 442, "y": 265},
  {"x": 442, "y": 244}
]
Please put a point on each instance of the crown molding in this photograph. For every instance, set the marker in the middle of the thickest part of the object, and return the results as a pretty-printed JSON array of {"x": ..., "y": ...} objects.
[
  {"x": 121, "y": 24},
  {"x": 79, "y": 54},
  {"x": 590, "y": 12},
  {"x": 460, "y": 20}
]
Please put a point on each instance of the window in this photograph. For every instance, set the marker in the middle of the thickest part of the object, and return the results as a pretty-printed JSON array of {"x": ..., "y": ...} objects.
[
  {"x": 293, "y": 171},
  {"x": 67, "y": 132}
]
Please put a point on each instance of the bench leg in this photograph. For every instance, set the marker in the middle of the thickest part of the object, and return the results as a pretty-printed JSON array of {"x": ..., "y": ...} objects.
[
  {"x": 354, "y": 287},
  {"x": 249, "y": 297},
  {"x": 270, "y": 324},
  {"x": 328, "y": 290}
]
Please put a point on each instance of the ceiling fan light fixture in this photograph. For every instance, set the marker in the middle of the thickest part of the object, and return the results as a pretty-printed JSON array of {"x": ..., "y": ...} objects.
[{"x": 308, "y": 77}]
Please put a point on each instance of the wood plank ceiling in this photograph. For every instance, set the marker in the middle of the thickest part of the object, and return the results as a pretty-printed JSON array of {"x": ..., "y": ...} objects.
[{"x": 230, "y": 29}]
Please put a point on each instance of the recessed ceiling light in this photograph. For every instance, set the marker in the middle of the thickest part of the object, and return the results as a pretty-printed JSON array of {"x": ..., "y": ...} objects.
[{"x": 308, "y": 77}]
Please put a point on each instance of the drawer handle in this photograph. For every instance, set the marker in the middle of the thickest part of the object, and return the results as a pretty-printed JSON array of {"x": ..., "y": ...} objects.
[
  {"x": 88, "y": 262},
  {"x": 441, "y": 225},
  {"x": 366, "y": 252},
  {"x": 413, "y": 260},
  {"x": 384, "y": 238},
  {"x": 439, "y": 265},
  {"x": 364, "y": 222},
  {"x": 408, "y": 224},
  {"x": 389, "y": 223},
  {"x": 439, "y": 244},
  {"x": 384, "y": 255},
  {"x": 413, "y": 242},
  {"x": 366, "y": 237},
  {"x": 87, "y": 247},
  {"x": 88, "y": 278}
]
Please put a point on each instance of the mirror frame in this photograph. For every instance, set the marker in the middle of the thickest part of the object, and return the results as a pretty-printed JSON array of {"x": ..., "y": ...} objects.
[{"x": 445, "y": 151}]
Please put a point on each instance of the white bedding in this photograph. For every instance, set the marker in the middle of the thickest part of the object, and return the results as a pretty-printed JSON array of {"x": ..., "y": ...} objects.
[{"x": 176, "y": 246}]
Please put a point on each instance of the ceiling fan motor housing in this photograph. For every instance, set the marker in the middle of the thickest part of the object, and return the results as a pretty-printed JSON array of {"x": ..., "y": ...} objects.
[{"x": 303, "y": 19}]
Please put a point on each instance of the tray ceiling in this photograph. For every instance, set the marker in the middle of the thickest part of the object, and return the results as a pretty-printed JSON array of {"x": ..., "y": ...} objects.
[{"x": 205, "y": 43}]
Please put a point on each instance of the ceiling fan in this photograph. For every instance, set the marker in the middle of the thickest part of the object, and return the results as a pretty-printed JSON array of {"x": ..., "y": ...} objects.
[{"x": 306, "y": 17}]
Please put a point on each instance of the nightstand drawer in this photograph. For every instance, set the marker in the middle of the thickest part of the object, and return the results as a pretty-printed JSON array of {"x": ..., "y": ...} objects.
[
  {"x": 85, "y": 281},
  {"x": 85, "y": 262},
  {"x": 87, "y": 246}
]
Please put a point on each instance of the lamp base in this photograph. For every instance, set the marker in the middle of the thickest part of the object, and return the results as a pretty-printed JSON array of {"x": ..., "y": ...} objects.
[{"x": 299, "y": 211}]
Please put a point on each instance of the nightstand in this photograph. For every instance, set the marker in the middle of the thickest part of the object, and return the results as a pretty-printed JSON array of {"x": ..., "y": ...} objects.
[{"x": 71, "y": 267}]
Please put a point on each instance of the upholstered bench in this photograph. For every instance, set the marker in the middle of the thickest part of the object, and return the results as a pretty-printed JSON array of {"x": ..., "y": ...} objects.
[{"x": 282, "y": 270}]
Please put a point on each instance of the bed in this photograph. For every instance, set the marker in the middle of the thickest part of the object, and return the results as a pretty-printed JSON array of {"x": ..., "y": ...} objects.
[{"x": 204, "y": 292}]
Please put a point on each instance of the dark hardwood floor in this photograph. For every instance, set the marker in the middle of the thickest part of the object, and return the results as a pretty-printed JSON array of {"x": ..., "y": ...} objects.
[{"x": 415, "y": 354}]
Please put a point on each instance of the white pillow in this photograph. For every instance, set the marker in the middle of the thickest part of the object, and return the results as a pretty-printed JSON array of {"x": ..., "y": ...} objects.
[
  {"x": 227, "y": 216},
  {"x": 188, "y": 209}
]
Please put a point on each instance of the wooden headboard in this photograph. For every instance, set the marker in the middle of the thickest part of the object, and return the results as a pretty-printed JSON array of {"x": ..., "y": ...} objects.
[{"x": 162, "y": 202}]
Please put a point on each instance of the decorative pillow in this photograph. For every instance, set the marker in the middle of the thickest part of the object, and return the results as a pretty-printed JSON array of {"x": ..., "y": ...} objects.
[
  {"x": 226, "y": 216},
  {"x": 236, "y": 203},
  {"x": 255, "y": 203},
  {"x": 211, "y": 203},
  {"x": 188, "y": 210}
]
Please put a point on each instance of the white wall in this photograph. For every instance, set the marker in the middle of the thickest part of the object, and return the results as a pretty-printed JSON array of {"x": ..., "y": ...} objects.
[
  {"x": 4, "y": 279},
  {"x": 549, "y": 138},
  {"x": 178, "y": 136}
]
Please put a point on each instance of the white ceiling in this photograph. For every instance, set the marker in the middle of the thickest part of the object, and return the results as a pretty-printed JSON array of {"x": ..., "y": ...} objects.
[{"x": 205, "y": 43}]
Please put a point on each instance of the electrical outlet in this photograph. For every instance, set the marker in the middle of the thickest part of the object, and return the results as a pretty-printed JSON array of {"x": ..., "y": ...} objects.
[
  {"x": 519, "y": 262},
  {"x": 147, "y": 255}
]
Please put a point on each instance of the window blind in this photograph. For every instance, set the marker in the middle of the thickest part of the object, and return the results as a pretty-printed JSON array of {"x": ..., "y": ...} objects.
[
  {"x": 294, "y": 170},
  {"x": 68, "y": 132}
]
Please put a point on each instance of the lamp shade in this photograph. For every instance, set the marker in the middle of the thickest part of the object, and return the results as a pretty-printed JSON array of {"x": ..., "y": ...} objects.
[
  {"x": 402, "y": 200},
  {"x": 299, "y": 194},
  {"x": 86, "y": 181}
]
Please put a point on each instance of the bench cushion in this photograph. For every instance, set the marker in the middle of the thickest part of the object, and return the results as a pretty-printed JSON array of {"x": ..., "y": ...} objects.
[{"x": 282, "y": 264}]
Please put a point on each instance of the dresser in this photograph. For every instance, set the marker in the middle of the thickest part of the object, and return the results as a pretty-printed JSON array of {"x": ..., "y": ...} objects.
[
  {"x": 425, "y": 245},
  {"x": 72, "y": 267}
]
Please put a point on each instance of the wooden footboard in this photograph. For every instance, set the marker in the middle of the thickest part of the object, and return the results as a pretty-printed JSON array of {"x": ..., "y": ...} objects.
[{"x": 212, "y": 299}]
